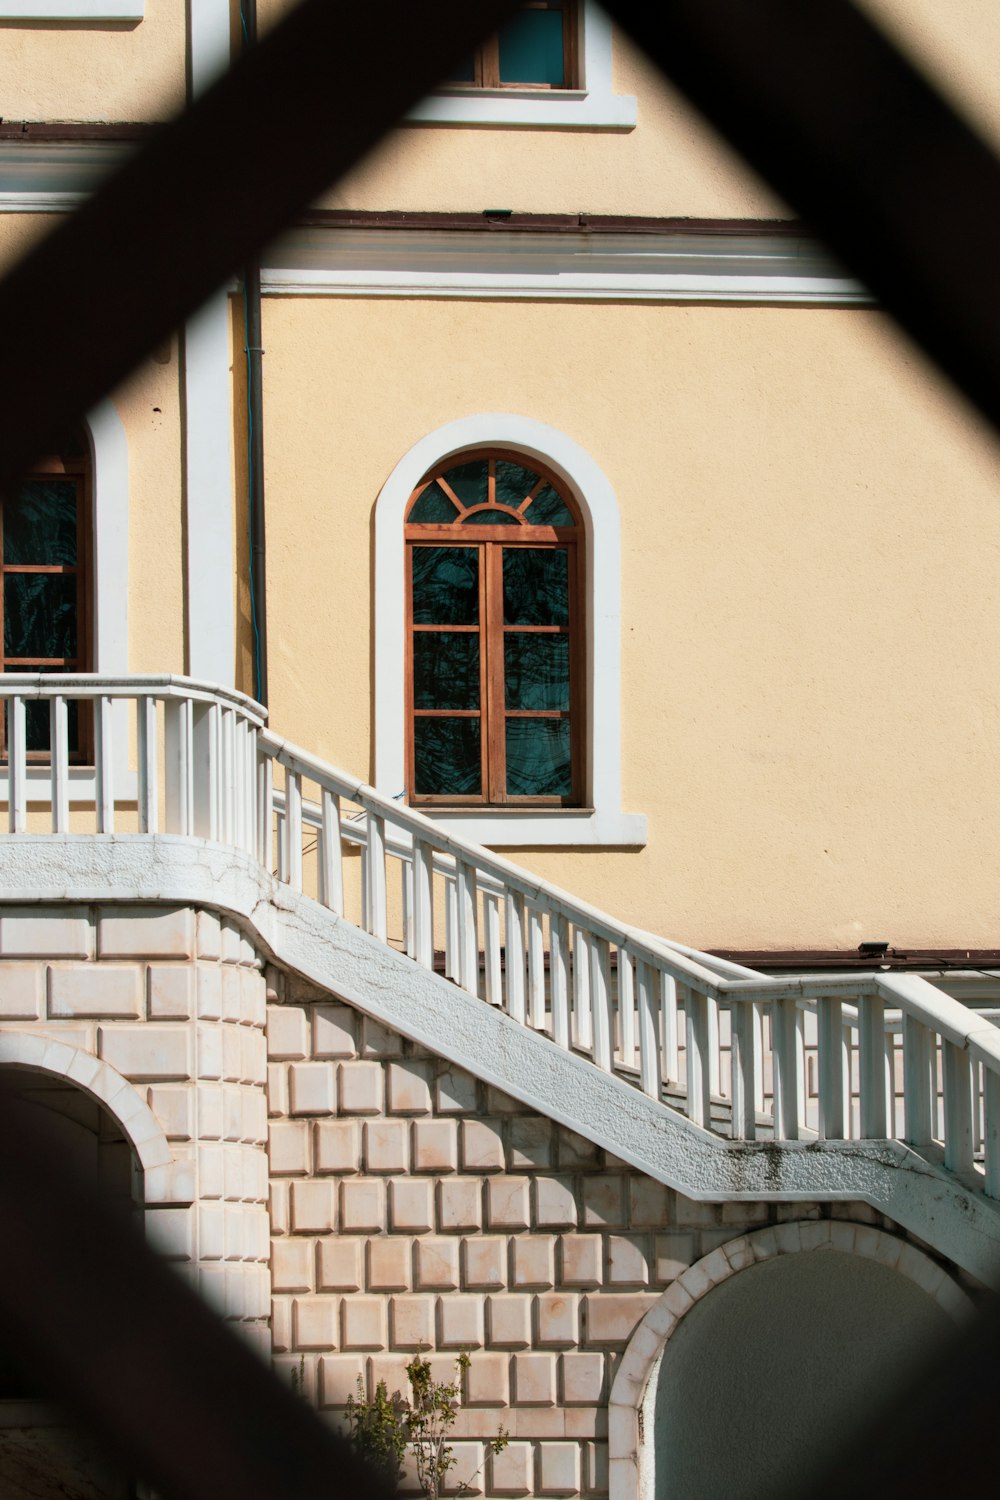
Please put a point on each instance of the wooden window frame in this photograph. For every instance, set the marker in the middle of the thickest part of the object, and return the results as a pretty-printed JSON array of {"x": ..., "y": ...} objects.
[
  {"x": 74, "y": 464},
  {"x": 493, "y": 713},
  {"x": 486, "y": 58}
]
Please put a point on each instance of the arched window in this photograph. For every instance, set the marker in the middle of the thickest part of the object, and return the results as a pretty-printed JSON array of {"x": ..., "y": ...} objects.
[
  {"x": 46, "y": 570},
  {"x": 495, "y": 678}
]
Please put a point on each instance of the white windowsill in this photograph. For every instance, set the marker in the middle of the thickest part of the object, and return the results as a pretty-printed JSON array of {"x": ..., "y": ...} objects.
[
  {"x": 499, "y": 829},
  {"x": 570, "y": 109},
  {"x": 72, "y": 10}
]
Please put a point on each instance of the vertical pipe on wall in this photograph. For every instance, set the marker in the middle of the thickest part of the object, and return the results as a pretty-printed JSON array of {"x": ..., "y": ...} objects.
[{"x": 255, "y": 420}]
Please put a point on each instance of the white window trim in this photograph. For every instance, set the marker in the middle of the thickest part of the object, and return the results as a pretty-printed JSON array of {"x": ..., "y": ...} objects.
[
  {"x": 506, "y": 828},
  {"x": 71, "y": 10},
  {"x": 109, "y": 604},
  {"x": 594, "y": 107}
]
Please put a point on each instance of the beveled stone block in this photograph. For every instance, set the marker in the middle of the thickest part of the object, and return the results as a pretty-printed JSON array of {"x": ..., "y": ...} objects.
[
  {"x": 208, "y": 986},
  {"x": 389, "y": 1265},
  {"x": 150, "y": 1052},
  {"x": 575, "y": 1151},
  {"x": 334, "y": 1031},
  {"x": 460, "y": 1204},
  {"x": 208, "y": 934},
  {"x": 533, "y": 1257},
  {"x": 457, "y": 1092},
  {"x": 338, "y": 1379},
  {"x": 534, "y": 1379},
  {"x": 339, "y": 1264},
  {"x": 337, "y": 1146},
  {"x": 466, "y": 1478},
  {"x": 169, "y": 992},
  {"x": 287, "y": 1033},
  {"x": 558, "y": 1468},
  {"x": 288, "y": 1148},
  {"x": 21, "y": 990},
  {"x": 555, "y": 1205},
  {"x": 387, "y": 1146},
  {"x": 145, "y": 932},
  {"x": 291, "y": 1265},
  {"x": 511, "y": 1471},
  {"x": 409, "y": 1087},
  {"x": 313, "y": 1207},
  {"x": 487, "y": 1381},
  {"x": 113, "y": 990},
  {"x": 628, "y": 1260},
  {"x": 27, "y": 932},
  {"x": 315, "y": 1322},
  {"x": 581, "y": 1379},
  {"x": 508, "y": 1321},
  {"x": 277, "y": 1090},
  {"x": 362, "y": 1206},
  {"x": 481, "y": 1146},
  {"x": 173, "y": 1106},
  {"x": 312, "y": 1088},
  {"x": 411, "y": 1206},
  {"x": 649, "y": 1201},
  {"x": 557, "y": 1318},
  {"x": 436, "y": 1264},
  {"x": 360, "y": 1088},
  {"x": 673, "y": 1253},
  {"x": 531, "y": 1140},
  {"x": 485, "y": 1262},
  {"x": 612, "y": 1316},
  {"x": 363, "y": 1323},
  {"x": 435, "y": 1145},
  {"x": 507, "y": 1203},
  {"x": 412, "y": 1322},
  {"x": 581, "y": 1259},
  {"x": 603, "y": 1200},
  {"x": 460, "y": 1322},
  {"x": 378, "y": 1040}
]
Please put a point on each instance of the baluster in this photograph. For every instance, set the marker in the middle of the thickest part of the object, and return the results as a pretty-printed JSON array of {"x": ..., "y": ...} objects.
[
  {"x": 559, "y": 978},
  {"x": 991, "y": 1131},
  {"x": 406, "y": 894},
  {"x": 785, "y": 1053},
  {"x": 265, "y": 807},
  {"x": 468, "y": 940},
  {"x": 871, "y": 1067},
  {"x": 59, "y": 740},
  {"x": 178, "y": 768},
  {"x": 450, "y": 930},
  {"x": 249, "y": 789},
  {"x": 536, "y": 969},
  {"x": 205, "y": 735},
  {"x": 831, "y": 1064},
  {"x": 583, "y": 1029},
  {"x": 626, "y": 1008},
  {"x": 742, "y": 1065},
  {"x": 714, "y": 1069},
  {"x": 376, "y": 915},
  {"x": 919, "y": 1081},
  {"x": 423, "y": 903},
  {"x": 146, "y": 736},
  {"x": 957, "y": 1109},
  {"x": 492, "y": 959},
  {"x": 600, "y": 997},
  {"x": 104, "y": 789},
  {"x": 514, "y": 954},
  {"x": 228, "y": 789},
  {"x": 699, "y": 1104},
  {"x": 282, "y": 871},
  {"x": 293, "y": 829},
  {"x": 669, "y": 1031},
  {"x": 239, "y": 789},
  {"x": 16, "y": 765},
  {"x": 331, "y": 864},
  {"x": 758, "y": 1056},
  {"x": 890, "y": 1086},
  {"x": 649, "y": 1029}
]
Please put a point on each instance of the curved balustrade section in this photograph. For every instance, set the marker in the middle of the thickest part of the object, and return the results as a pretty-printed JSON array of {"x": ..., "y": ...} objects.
[{"x": 745, "y": 1057}]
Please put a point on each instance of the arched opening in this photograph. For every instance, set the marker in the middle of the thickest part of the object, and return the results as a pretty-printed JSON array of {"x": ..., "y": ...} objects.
[{"x": 769, "y": 1370}]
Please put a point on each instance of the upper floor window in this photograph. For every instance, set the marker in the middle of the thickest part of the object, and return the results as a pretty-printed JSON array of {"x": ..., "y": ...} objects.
[
  {"x": 537, "y": 48},
  {"x": 45, "y": 578},
  {"x": 495, "y": 672}
]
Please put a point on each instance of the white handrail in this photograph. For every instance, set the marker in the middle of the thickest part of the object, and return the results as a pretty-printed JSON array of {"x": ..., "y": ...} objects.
[{"x": 836, "y": 1056}]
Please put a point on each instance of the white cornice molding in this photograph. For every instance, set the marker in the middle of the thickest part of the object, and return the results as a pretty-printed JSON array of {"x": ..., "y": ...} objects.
[
  {"x": 573, "y": 265},
  {"x": 71, "y": 10},
  {"x": 46, "y": 177}
]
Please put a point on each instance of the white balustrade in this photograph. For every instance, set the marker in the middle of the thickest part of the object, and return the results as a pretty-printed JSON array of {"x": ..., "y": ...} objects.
[{"x": 839, "y": 1057}]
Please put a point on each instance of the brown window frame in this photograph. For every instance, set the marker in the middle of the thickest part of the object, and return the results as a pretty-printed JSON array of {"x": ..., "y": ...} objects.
[
  {"x": 486, "y": 58},
  {"x": 72, "y": 463},
  {"x": 493, "y": 712}
]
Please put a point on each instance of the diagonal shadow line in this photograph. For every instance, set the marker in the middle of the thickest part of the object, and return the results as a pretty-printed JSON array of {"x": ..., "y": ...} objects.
[
  {"x": 856, "y": 139},
  {"x": 206, "y": 193}
]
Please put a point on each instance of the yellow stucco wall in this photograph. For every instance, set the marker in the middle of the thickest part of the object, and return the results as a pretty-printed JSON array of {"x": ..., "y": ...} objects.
[
  {"x": 811, "y": 537},
  {"x": 94, "y": 70}
]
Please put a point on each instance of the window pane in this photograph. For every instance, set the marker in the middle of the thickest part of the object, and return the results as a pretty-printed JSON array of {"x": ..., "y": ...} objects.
[
  {"x": 432, "y": 506},
  {"x": 536, "y": 671},
  {"x": 531, "y": 48},
  {"x": 446, "y": 757},
  {"x": 39, "y": 617},
  {"x": 535, "y": 586},
  {"x": 549, "y": 509},
  {"x": 463, "y": 72},
  {"x": 445, "y": 585},
  {"x": 445, "y": 670},
  {"x": 490, "y": 517},
  {"x": 470, "y": 481},
  {"x": 538, "y": 761},
  {"x": 40, "y": 525},
  {"x": 514, "y": 483}
]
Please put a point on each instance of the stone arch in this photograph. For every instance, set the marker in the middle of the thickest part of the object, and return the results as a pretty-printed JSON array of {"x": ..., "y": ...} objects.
[
  {"x": 630, "y": 1459},
  {"x": 138, "y": 1124}
]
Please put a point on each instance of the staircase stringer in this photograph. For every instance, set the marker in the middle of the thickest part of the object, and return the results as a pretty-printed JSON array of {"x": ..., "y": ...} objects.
[{"x": 307, "y": 938}]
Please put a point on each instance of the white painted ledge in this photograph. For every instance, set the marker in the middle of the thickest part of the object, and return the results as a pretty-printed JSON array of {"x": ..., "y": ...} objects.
[
  {"x": 435, "y": 1013},
  {"x": 72, "y": 10},
  {"x": 503, "y": 829}
]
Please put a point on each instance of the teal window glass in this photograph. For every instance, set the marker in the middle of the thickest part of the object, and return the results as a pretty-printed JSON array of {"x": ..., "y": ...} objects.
[
  {"x": 39, "y": 617},
  {"x": 548, "y": 509},
  {"x": 535, "y": 586},
  {"x": 531, "y": 49},
  {"x": 464, "y": 72},
  {"x": 37, "y": 719},
  {"x": 514, "y": 483},
  {"x": 445, "y": 585},
  {"x": 446, "y": 757},
  {"x": 433, "y": 507},
  {"x": 536, "y": 671},
  {"x": 445, "y": 669},
  {"x": 39, "y": 529},
  {"x": 470, "y": 481},
  {"x": 538, "y": 758}
]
